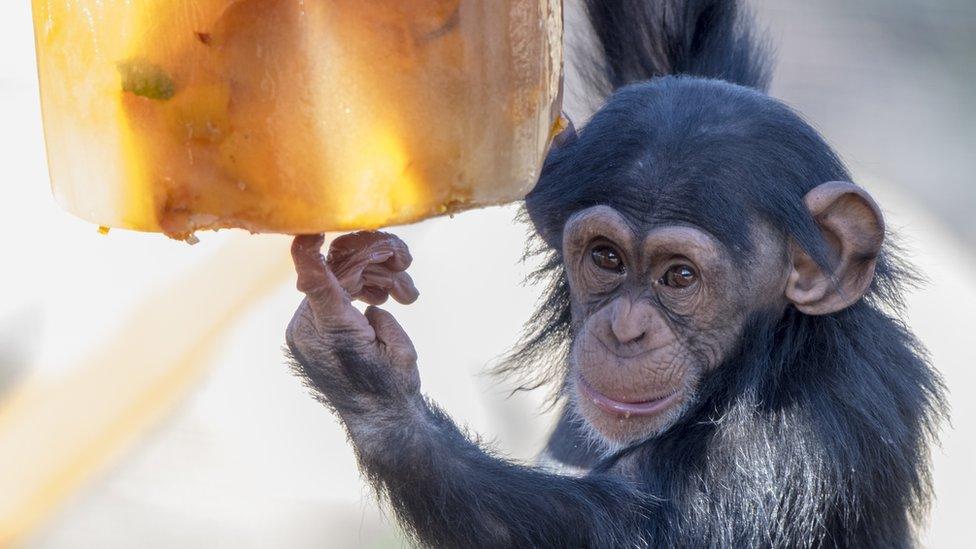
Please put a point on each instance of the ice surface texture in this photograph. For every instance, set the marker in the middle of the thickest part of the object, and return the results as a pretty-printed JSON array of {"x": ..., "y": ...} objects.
[{"x": 294, "y": 116}]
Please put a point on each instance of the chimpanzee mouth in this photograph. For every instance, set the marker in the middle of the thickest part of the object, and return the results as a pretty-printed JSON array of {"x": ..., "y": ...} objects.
[{"x": 632, "y": 408}]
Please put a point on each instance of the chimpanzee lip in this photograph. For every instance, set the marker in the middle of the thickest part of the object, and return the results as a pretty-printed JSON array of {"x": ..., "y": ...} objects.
[{"x": 645, "y": 407}]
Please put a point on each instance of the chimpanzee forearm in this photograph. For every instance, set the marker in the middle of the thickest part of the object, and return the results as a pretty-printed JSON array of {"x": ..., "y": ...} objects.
[{"x": 452, "y": 493}]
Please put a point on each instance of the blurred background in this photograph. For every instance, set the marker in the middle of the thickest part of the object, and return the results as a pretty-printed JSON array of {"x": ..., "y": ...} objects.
[{"x": 144, "y": 399}]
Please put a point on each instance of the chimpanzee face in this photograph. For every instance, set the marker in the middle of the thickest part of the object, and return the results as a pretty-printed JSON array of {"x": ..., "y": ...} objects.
[{"x": 653, "y": 310}]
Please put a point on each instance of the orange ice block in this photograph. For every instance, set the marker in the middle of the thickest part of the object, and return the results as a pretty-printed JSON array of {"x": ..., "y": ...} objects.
[{"x": 294, "y": 116}]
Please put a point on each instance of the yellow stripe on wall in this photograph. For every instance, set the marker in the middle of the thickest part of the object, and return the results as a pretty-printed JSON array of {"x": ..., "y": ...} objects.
[{"x": 56, "y": 434}]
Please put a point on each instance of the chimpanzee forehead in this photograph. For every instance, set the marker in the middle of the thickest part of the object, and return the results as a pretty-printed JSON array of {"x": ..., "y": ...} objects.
[
  {"x": 659, "y": 159},
  {"x": 714, "y": 156},
  {"x": 650, "y": 193},
  {"x": 712, "y": 207}
]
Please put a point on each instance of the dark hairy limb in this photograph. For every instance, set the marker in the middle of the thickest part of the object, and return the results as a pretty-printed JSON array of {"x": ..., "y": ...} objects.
[{"x": 446, "y": 489}]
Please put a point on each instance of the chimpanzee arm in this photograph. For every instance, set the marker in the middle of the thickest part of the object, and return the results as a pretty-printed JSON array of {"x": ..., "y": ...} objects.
[
  {"x": 446, "y": 489},
  {"x": 450, "y": 493},
  {"x": 569, "y": 445}
]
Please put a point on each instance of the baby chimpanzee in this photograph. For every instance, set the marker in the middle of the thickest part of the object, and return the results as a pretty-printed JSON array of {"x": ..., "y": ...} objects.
[{"x": 720, "y": 319}]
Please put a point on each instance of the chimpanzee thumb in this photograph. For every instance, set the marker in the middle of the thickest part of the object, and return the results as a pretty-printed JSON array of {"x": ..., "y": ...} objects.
[{"x": 392, "y": 339}]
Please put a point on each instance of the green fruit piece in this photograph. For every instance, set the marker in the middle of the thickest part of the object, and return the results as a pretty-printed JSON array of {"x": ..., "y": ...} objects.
[{"x": 146, "y": 79}]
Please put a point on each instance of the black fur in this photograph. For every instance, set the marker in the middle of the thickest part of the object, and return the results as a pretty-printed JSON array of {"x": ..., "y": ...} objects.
[
  {"x": 641, "y": 39},
  {"x": 819, "y": 395},
  {"x": 814, "y": 433}
]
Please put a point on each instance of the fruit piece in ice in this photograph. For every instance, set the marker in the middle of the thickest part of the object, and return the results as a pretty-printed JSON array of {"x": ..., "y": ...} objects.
[
  {"x": 290, "y": 116},
  {"x": 146, "y": 80}
]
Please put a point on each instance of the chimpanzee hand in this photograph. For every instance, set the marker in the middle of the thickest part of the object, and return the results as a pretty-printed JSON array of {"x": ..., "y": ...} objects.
[
  {"x": 357, "y": 362},
  {"x": 449, "y": 492}
]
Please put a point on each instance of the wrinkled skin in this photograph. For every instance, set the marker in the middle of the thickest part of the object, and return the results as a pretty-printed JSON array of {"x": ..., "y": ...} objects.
[
  {"x": 641, "y": 343},
  {"x": 331, "y": 337}
]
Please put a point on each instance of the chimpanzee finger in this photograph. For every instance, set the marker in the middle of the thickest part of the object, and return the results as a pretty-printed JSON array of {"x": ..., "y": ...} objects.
[
  {"x": 351, "y": 243},
  {"x": 373, "y": 295},
  {"x": 313, "y": 274},
  {"x": 398, "y": 284},
  {"x": 395, "y": 341},
  {"x": 377, "y": 285},
  {"x": 403, "y": 289},
  {"x": 385, "y": 243},
  {"x": 350, "y": 271},
  {"x": 364, "y": 243},
  {"x": 378, "y": 275},
  {"x": 401, "y": 259},
  {"x": 314, "y": 278}
]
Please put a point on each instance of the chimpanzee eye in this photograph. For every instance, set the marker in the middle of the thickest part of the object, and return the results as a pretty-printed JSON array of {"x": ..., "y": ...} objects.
[
  {"x": 679, "y": 276},
  {"x": 607, "y": 258}
]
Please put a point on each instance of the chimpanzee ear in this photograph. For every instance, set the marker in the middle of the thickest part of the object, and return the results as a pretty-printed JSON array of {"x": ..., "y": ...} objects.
[{"x": 853, "y": 227}]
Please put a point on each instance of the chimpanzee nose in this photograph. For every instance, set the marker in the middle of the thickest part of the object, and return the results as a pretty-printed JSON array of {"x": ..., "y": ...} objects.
[{"x": 628, "y": 321}]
